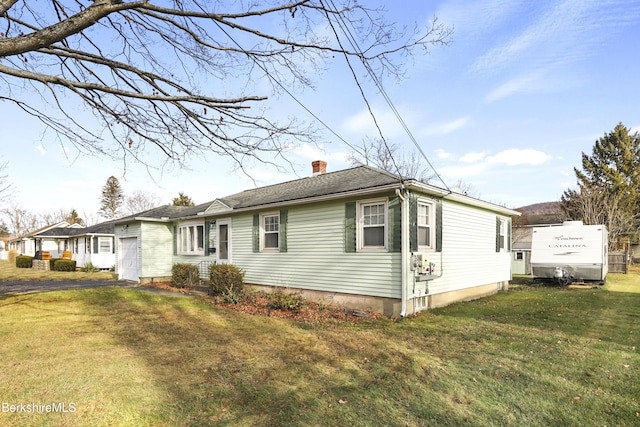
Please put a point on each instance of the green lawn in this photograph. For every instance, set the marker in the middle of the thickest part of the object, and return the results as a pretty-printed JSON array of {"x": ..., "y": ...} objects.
[
  {"x": 533, "y": 356},
  {"x": 8, "y": 271}
]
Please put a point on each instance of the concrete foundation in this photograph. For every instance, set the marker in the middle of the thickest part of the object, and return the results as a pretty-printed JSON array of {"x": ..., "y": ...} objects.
[{"x": 391, "y": 307}]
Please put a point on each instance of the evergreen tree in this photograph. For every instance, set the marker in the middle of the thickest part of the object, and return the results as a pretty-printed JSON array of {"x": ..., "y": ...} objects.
[
  {"x": 183, "y": 200},
  {"x": 74, "y": 218},
  {"x": 4, "y": 229},
  {"x": 112, "y": 198},
  {"x": 609, "y": 185}
]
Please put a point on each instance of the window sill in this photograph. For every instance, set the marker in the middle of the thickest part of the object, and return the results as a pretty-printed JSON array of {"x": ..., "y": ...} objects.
[
  {"x": 270, "y": 250},
  {"x": 373, "y": 250}
]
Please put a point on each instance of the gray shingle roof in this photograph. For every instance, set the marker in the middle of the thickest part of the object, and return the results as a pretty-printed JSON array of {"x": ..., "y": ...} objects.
[
  {"x": 333, "y": 183},
  {"x": 168, "y": 211},
  {"x": 102, "y": 228}
]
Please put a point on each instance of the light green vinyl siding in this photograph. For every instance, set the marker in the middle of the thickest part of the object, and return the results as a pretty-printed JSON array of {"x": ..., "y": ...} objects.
[
  {"x": 156, "y": 247},
  {"x": 316, "y": 257},
  {"x": 469, "y": 255}
]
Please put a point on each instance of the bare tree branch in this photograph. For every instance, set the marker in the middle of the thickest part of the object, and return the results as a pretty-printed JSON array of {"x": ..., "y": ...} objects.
[
  {"x": 389, "y": 157},
  {"x": 177, "y": 78}
]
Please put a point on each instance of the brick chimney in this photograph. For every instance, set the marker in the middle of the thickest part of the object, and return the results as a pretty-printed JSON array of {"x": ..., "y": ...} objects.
[{"x": 319, "y": 167}]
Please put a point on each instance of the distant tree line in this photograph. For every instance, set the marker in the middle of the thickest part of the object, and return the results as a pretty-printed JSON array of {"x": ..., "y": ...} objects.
[{"x": 18, "y": 221}]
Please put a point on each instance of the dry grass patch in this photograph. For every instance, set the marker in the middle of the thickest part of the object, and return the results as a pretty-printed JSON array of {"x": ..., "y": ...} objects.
[{"x": 534, "y": 356}]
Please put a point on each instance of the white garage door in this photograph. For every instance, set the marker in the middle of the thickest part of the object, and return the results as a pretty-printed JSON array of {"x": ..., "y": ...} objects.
[{"x": 129, "y": 259}]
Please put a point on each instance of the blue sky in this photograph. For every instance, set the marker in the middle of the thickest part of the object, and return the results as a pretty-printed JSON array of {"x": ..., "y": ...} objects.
[{"x": 508, "y": 107}]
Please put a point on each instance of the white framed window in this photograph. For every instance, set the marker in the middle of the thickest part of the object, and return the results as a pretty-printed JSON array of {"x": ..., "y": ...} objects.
[
  {"x": 270, "y": 231},
  {"x": 425, "y": 224},
  {"x": 502, "y": 237},
  {"x": 191, "y": 239},
  {"x": 372, "y": 225},
  {"x": 105, "y": 245}
]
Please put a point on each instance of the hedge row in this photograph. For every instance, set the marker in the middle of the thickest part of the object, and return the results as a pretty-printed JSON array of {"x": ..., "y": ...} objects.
[{"x": 24, "y": 261}]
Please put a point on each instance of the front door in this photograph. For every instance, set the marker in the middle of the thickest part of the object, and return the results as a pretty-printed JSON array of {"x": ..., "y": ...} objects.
[{"x": 223, "y": 249}]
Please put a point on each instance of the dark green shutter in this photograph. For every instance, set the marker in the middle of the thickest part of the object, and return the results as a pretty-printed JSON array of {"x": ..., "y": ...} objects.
[
  {"x": 284, "y": 219},
  {"x": 205, "y": 238},
  {"x": 395, "y": 224},
  {"x": 256, "y": 233},
  {"x": 95, "y": 244},
  {"x": 508, "y": 234},
  {"x": 413, "y": 223},
  {"x": 175, "y": 240},
  {"x": 497, "y": 234},
  {"x": 439, "y": 225},
  {"x": 113, "y": 245},
  {"x": 350, "y": 227}
]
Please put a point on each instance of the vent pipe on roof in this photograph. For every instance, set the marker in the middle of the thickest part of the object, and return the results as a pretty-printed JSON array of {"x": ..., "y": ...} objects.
[{"x": 319, "y": 167}]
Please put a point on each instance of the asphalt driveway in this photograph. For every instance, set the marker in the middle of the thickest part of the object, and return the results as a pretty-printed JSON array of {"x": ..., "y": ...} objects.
[{"x": 14, "y": 287}]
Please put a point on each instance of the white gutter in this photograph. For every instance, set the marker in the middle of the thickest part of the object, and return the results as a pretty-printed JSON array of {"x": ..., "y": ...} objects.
[
  {"x": 404, "y": 226},
  {"x": 461, "y": 198}
]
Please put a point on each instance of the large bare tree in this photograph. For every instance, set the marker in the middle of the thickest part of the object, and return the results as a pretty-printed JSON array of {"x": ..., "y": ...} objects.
[
  {"x": 5, "y": 185},
  {"x": 389, "y": 157},
  {"x": 185, "y": 76},
  {"x": 141, "y": 201},
  {"x": 594, "y": 206}
]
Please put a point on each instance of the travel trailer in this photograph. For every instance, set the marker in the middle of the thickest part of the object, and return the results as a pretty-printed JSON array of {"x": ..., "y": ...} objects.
[{"x": 572, "y": 252}]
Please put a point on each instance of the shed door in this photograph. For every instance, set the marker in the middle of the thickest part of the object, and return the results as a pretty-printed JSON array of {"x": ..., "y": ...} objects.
[{"x": 129, "y": 259}]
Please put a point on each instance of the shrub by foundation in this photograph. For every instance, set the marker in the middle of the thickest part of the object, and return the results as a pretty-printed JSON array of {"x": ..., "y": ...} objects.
[
  {"x": 89, "y": 268},
  {"x": 227, "y": 281},
  {"x": 64, "y": 265},
  {"x": 24, "y": 261},
  {"x": 185, "y": 275},
  {"x": 280, "y": 300}
]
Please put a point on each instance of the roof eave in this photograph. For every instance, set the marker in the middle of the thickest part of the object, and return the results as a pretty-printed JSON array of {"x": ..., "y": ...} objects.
[
  {"x": 314, "y": 199},
  {"x": 461, "y": 198}
]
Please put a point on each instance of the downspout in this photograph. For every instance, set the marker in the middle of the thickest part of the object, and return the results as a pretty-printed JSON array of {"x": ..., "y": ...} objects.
[{"x": 404, "y": 226}]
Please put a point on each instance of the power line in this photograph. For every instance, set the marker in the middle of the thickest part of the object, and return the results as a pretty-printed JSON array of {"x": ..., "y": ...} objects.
[
  {"x": 284, "y": 88},
  {"x": 349, "y": 35},
  {"x": 364, "y": 97}
]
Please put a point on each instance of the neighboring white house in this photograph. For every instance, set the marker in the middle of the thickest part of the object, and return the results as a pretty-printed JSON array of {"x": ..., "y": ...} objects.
[
  {"x": 94, "y": 244},
  {"x": 26, "y": 245},
  {"x": 361, "y": 237}
]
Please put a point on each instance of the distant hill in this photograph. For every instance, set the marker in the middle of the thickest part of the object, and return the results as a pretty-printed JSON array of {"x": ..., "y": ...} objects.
[{"x": 540, "y": 213}]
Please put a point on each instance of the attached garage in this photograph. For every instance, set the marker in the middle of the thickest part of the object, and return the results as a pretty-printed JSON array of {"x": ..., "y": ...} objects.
[{"x": 129, "y": 259}]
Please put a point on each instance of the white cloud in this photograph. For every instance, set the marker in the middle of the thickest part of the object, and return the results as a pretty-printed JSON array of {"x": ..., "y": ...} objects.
[
  {"x": 475, "y": 164},
  {"x": 362, "y": 123},
  {"x": 318, "y": 152},
  {"x": 557, "y": 34},
  {"x": 516, "y": 156},
  {"x": 445, "y": 128},
  {"x": 443, "y": 154},
  {"x": 473, "y": 157},
  {"x": 41, "y": 150},
  {"x": 463, "y": 15},
  {"x": 527, "y": 83}
]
